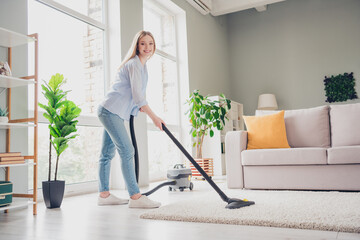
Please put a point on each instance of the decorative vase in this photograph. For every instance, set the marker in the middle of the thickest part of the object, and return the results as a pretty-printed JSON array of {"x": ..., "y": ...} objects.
[
  {"x": 4, "y": 119},
  {"x": 53, "y": 193}
]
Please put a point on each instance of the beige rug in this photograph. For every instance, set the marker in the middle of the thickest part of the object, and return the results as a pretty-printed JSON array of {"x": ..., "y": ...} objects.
[{"x": 331, "y": 211}]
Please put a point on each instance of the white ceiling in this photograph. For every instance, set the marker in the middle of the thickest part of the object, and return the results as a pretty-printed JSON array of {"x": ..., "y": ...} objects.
[{"x": 221, "y": 7}]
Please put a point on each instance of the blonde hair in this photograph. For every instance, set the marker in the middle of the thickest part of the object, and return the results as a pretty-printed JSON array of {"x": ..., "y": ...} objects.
[{"x": 134, "y": 48}]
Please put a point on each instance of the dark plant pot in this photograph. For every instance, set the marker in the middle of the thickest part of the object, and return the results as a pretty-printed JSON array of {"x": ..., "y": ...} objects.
[{"x": 53, "y": 192}]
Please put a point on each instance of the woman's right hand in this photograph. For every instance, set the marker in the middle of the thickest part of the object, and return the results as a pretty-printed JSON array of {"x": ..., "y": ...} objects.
[{"x": 158, "y": 122}]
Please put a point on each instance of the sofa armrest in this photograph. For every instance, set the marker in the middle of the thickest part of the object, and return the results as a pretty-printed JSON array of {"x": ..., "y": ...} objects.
[{"x": 235, "y": 143}]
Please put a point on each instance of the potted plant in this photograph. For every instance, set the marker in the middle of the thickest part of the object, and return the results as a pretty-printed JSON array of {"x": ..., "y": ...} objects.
[
  {"x": 61, "y": 114},
  {"x": 3, "y": 115},
  {"x": 206, "y": 114}
]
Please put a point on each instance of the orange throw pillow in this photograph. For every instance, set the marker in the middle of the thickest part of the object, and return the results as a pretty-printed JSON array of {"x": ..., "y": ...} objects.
[{"x": 266, "y": 131}]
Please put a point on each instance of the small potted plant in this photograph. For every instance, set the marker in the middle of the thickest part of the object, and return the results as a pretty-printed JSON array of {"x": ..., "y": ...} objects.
[
  {"x": 3, "y": 115},
  {"x": 206, "y": 114},
  {"x": 61, "y": 114}
]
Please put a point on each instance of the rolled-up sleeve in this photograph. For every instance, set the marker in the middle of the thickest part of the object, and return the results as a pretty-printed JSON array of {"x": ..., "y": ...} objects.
[{"x": 136, "y": 83}]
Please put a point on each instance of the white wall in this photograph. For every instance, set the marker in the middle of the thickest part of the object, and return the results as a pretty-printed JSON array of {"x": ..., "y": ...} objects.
[
  {"x": 288, "y": 49},
  {"x": 13, "y": 16}
]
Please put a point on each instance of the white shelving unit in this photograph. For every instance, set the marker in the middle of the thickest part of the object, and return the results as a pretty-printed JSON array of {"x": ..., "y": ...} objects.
[
  {"x": 214, "y": 147},
  {"x": 10, "y": 39},
  {"x": 18, "y": 165},
  {"x": 18, "y": 203},
  {"x": 16, "y": 125},
  {"x": 10, "y": 82}
]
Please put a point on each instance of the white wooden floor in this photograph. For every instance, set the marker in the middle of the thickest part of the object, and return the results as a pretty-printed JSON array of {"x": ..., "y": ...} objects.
[{"x": 80, "y": 218}]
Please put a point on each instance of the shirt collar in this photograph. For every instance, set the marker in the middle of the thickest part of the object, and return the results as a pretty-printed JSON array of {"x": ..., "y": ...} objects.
[{"x": 138, "y": 59}]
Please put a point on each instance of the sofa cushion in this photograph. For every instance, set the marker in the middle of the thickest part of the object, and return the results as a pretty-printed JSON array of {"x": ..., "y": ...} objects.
[
  {"x": 345, "y": 124},
  {"x": 266, "y": 131},
  {"x": 344, "y": 155},
  {"x": 306, "y": 127},
  {"x": 293, "y": 156}
]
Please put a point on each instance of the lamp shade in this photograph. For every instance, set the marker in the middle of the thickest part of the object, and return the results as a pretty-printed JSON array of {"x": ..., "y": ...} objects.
[{"x": 267, "y": 102}]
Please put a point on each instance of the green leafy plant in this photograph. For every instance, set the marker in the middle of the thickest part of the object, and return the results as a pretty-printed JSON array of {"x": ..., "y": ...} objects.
[
  {"x": 206, "y": 114},
  {"x": 340, "y": 88},
  {"x": 62, "y": 114},
  {"x": 3, "y": 112}
]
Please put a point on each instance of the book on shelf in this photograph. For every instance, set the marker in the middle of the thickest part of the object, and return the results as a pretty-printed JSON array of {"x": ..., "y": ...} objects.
[
  {"x": 6, "y": 159},
  {"x": 10, "y": 154}
]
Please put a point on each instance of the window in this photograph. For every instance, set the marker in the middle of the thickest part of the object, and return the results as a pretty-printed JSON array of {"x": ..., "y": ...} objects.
[
  {"x": 163, "y": 92},
  {"x": 71, "y": 42}
]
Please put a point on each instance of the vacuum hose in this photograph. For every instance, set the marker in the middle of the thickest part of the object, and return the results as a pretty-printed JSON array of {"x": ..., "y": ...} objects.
[
  {"x": 136, "y": 160},
  {"x": 133, "y": 140},
  {"x": 159, "y": 186}
]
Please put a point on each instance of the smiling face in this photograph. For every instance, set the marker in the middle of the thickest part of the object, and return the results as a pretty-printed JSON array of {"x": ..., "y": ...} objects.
[{"x": 146, "y": 46}]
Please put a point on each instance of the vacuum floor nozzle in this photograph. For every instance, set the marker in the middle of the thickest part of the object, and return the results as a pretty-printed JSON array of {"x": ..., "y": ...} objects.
[{"x": 234, "y": 203}]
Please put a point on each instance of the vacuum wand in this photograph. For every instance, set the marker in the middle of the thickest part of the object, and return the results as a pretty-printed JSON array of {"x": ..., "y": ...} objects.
[{"x": 232, "y": 202}]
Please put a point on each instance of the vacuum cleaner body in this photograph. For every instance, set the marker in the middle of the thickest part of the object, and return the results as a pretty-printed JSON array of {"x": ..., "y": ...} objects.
[{"x": 182, "y": 176}]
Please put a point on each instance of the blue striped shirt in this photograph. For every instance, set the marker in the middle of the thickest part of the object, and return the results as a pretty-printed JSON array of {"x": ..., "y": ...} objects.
[{"x": 127, "y": 95}]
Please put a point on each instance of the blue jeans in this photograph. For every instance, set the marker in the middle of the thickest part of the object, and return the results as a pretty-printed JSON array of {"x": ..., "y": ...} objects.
[{"x": 115, "y": 137}]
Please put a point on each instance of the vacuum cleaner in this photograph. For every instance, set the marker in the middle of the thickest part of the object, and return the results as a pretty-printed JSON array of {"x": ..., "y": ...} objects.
[
  {"x": 182, "y": 176},
  {"x": 232, "y": 203}
]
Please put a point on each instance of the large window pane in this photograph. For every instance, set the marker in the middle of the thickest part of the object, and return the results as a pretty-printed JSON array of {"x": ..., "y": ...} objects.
[
  {"x": 76, "y": 50},
  {"x": 90, "y": 8},
  {"x": 162, "y": 90},
  {"x": 163, "y": 154},
  {"x": 161, "y": 24},
  {"x": 72, "y": 48},
  {"x": 77, "y": 164}
]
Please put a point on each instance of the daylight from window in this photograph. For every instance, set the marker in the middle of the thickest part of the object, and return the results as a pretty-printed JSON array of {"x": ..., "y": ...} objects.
[
  {"x": 162, "y": 91},
  {"x": 75, "y": 49}
]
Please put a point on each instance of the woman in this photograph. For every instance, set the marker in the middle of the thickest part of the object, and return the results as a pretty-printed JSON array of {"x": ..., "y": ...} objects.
[{"x": 127, "y": 97}]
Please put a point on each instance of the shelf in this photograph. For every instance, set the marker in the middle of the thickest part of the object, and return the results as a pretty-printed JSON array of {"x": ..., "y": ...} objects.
[
  {"x": 10, "y": 82},
  {"x": 17, "y": 165},
  {"x": 18, "y": 203},
  {"x": 12, "y": 39},
  {"x": 15, "y": 125},
  {"x": 9, "y": 39}
]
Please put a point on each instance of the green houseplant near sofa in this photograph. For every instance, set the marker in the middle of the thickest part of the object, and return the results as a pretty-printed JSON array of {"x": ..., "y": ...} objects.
[
  {"x": 206, "y": 114},
  {"x": 61, "y": 114}
]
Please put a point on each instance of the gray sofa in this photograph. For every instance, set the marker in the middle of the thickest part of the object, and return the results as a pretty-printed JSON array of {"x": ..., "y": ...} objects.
[{"x": 324, "y": 153}]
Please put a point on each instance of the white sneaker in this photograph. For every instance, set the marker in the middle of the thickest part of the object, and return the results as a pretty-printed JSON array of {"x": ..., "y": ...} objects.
[
  {"x": 111, "y": 200},
  {"x": 143, "y": 202}
]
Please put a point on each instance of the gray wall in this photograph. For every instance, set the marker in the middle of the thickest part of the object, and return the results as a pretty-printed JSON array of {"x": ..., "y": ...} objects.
[
  {"x": 288, "y": 49},
  {"x": 207, "y": 51}
]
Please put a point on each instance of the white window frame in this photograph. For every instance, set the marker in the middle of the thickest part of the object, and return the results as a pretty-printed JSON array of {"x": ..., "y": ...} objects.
[
  {"x": 168, "y": 56},
  {"x": 181, "y": 60}
]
